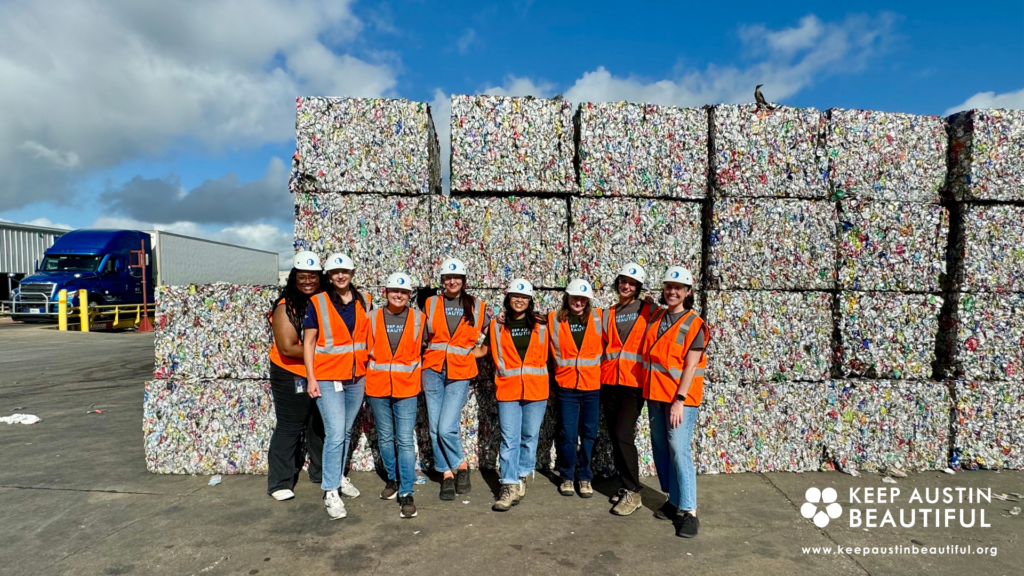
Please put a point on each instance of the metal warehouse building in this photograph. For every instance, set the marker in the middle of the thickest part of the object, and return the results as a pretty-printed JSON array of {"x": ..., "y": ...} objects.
[{"x": 21, "y": 246}]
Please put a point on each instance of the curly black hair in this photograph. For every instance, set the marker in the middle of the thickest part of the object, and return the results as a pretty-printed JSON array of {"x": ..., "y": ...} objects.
[{"x": 295, "y": 302}]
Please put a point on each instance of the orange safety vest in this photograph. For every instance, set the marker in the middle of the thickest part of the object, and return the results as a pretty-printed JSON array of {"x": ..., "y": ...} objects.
[
  {"x": 518, "y": 378},
  {"x": 622, "y": 363},
  {"x": 664, "y": 359},
  {"x": 455, "y": 350},
  {"x": 395, "y": 375},
  {"x": 577, "y": 369},
  {"x": 294, "y": 365},
  {"x": 340, "y": 354}
]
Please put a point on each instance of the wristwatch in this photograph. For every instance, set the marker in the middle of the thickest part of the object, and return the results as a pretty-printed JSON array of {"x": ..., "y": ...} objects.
[{"x": 681, "y": 397}]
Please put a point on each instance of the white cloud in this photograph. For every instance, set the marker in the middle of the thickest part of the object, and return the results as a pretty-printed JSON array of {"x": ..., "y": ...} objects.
[
  {"x": 466, "y": 40},
  {"x": 46, "y": 222},
  {"x": 517, "y": 86},
  {"x": 90, "y": 84},
  {"x": 1012, "y": 100}
]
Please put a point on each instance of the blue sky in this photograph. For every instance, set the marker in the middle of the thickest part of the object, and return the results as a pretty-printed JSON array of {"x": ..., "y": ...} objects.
[{"x": 113, "y": 112}]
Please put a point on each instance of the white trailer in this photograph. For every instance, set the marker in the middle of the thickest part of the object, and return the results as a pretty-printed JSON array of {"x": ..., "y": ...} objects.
[{"x": 181, "y": 260}]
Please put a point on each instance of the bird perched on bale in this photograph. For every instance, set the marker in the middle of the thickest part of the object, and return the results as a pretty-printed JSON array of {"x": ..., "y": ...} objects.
[{"x": 759, "y": 98}]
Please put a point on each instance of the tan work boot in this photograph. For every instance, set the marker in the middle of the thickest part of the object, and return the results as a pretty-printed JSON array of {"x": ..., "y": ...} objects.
[
  {"x": 506, "y": 498},
  {"x": 586, "y": 490},
  {"x": 522, "y": 488},
  {"x": 628, "y": 503},
  {"x": 566, "y": 488}
]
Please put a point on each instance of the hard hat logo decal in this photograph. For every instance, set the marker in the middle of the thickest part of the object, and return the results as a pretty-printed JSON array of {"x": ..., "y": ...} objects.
[
  {"x": 309, "y": 261},
  {"x": 521, "y": 286},
  {"x": 401, "y": 280},
  {"x": 452, "y": 266},
  {"x": 583, "y": 288},
  {"x": 632, "y": 270},
  {"x": 675, "y": 274}
]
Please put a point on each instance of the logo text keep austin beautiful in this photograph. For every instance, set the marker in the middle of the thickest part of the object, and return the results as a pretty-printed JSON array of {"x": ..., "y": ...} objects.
[{"x": 929, "y": 517}]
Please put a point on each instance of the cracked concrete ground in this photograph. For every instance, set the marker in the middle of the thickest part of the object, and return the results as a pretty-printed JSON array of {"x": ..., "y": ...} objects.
[{"x": 75, "y": 498}]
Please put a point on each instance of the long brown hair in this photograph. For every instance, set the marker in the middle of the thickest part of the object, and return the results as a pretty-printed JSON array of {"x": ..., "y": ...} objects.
[{"x": 563, "y": 313}]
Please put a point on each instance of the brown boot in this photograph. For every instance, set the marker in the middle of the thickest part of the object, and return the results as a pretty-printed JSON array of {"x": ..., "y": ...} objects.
[
  {"x": 506, "y": 498},
  {"x": 628, "y": 503},
  {"x": 586, "y": 490},
  {"x": 566, "y": 488},
  {"x": 522, "y": 488}
]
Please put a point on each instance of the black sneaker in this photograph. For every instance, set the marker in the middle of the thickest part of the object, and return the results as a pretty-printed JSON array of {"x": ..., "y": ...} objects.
[
  {"x": 407, "y": 507},
  {"x": 448, "y": 488},
  {"x": 462, "y": 483},
  {"x": 687, "y": 525},
  {"x": 666, "y": 512},
  {"x": 390, "y": 490}
]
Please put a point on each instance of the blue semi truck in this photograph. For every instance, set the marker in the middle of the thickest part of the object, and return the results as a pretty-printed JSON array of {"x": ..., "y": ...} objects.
[{"x": 100, "y": 262}]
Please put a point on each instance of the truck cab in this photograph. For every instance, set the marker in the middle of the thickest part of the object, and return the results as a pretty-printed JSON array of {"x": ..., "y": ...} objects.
[{"x": 97, "y": 261}]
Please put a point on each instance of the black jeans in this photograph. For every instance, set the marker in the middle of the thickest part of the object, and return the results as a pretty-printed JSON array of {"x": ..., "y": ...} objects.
[
  {"x": 298, "y": 419},
  {"x": 622, "y": 405}
]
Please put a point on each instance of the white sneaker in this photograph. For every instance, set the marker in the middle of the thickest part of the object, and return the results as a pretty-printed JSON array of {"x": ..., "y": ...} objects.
[
  {"x": 335, "y": 507},
  {"x": 347, "y": 489},
  {"x": 284, "y": 494}
]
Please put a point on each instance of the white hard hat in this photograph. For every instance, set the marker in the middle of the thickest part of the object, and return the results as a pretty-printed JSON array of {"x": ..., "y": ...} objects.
[
  {"x": 306, "y": 260},
  {"x": 339, "y": 261},
  {"x": 634, "y": 271},
  {"x": 580, "y": 287},
  {"x": 678, "y": 274},
  {"x": 453, "y": 266},
  {"x": 521, "y": 286},
  {"x": 399, "y": 280}
]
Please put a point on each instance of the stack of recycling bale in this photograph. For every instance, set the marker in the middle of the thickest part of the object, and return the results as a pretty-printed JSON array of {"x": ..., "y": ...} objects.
[
  {"x": 887, "y": 412},
  {"x": 985, "y": 339}
]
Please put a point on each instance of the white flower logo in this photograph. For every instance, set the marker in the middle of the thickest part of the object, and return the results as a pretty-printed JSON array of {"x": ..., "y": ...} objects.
[{"x": 810, "y": 508}]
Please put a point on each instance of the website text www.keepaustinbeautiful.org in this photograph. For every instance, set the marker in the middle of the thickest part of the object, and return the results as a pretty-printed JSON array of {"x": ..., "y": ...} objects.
[{"x": 901, "y": 550}]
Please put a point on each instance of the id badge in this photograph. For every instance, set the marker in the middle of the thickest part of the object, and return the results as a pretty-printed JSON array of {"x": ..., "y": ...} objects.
[
  {"x": 300, "y": 385},
  {"x": 338, "y": 386}
]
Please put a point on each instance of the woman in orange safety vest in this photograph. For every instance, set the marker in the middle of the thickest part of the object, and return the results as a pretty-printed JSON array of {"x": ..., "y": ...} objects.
[
  {"x": 455, "y": 322},
  {"x": 334, "y": 345},
  {"x": 622, "y": 397},
  {"x": 296, "y": 412},
  {"x": 392, "y": 383},
  {"x": 519, "y": 347},
  {"x": 673, "y": 383},
  {"x": 576, "y": 349}
]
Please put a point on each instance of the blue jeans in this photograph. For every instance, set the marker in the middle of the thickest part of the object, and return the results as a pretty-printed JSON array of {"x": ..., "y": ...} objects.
[
  {"x": 579, "y": 413},
  {"x": 445, "y": 399},
  {"x": 339, "y": 411},
  {"x": 520, "y": 431},
  {"x": 390, "y": 414},
  {"x": 672, "y": 457}
]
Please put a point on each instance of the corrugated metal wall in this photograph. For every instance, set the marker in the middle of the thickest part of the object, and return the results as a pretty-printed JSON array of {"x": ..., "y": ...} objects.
[{"x": 21, "y": 246}]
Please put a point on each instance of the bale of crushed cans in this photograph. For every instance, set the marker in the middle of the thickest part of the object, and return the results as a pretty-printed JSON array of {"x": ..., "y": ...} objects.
[
  {"x": 888, "y": 334},
  {"x": 885, "y": 155},
  {"x": 380, "y": 145},
  {"x": 892, "y": 246},
  {"x": 887, "y": 425},
  {"x": 768, "y": 152},
  {"x": 213, "y": 331},
  {"x": 761, "y": 336},
  {"x": 207, "y": 426},
  {"x": 382, "y": 234},
  {"x": 991, "y": 248},
  {"x": 512, "y": 144},
  {"x": 503, "y": 238},
  {"x": 628, "y": 149},
  {"x": 986, "y": 155},
  {"x": 760, "y": 427},
  {"x": 607, "y": 233},
  {"x": 988, "y": 425},
  {"x": 772, "y": 244},
  {"x": 988, "y": 337}
]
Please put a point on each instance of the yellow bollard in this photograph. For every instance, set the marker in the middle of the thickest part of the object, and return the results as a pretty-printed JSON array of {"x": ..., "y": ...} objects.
[
  {"x": 83, "y": 309},
  {"x": 62, "y": 311}
]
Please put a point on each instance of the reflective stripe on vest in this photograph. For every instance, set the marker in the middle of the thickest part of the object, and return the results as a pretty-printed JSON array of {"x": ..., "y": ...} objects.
[
  {"x": 687, "y": 320},
  {"x": 529, "y": 370},
  {"x": 432, "y": 303},
  {"x": 415, "y": 331},
  {"x": 577, "y": 361},
  {"x": 325, "y": 322}
]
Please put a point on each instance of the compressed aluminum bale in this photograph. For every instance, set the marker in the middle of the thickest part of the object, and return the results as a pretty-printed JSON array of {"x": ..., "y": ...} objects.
[
  {"x": 511, "y": 144},
  {"x": 892, "y": 245},
  {"x": 759, "y": 336},
  {"x": 986, "y": 155},
  {"x": 885, "y": 155},
  {"x": 382, "y": 234},
  {"x": 365, "y": 145},
  {"x": 988, "y": 425},
  {"x": 887, "y": 334},
  {"x": 989, "y": 341},
  {"x": 503, "y": 238},
  {"x": 606, "y": 233},
  {"x": 771, "y": 244},
  {"x": 202, "y": 426},
  {"x": 991, "y": 248},
  {"x": 878, "y": 425},
  {"x": 213, "y": 331},
  {"x": 768, "y": 153},
  {"x": 760, "y": 427},
  {"x": 642, "y": 150}
]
